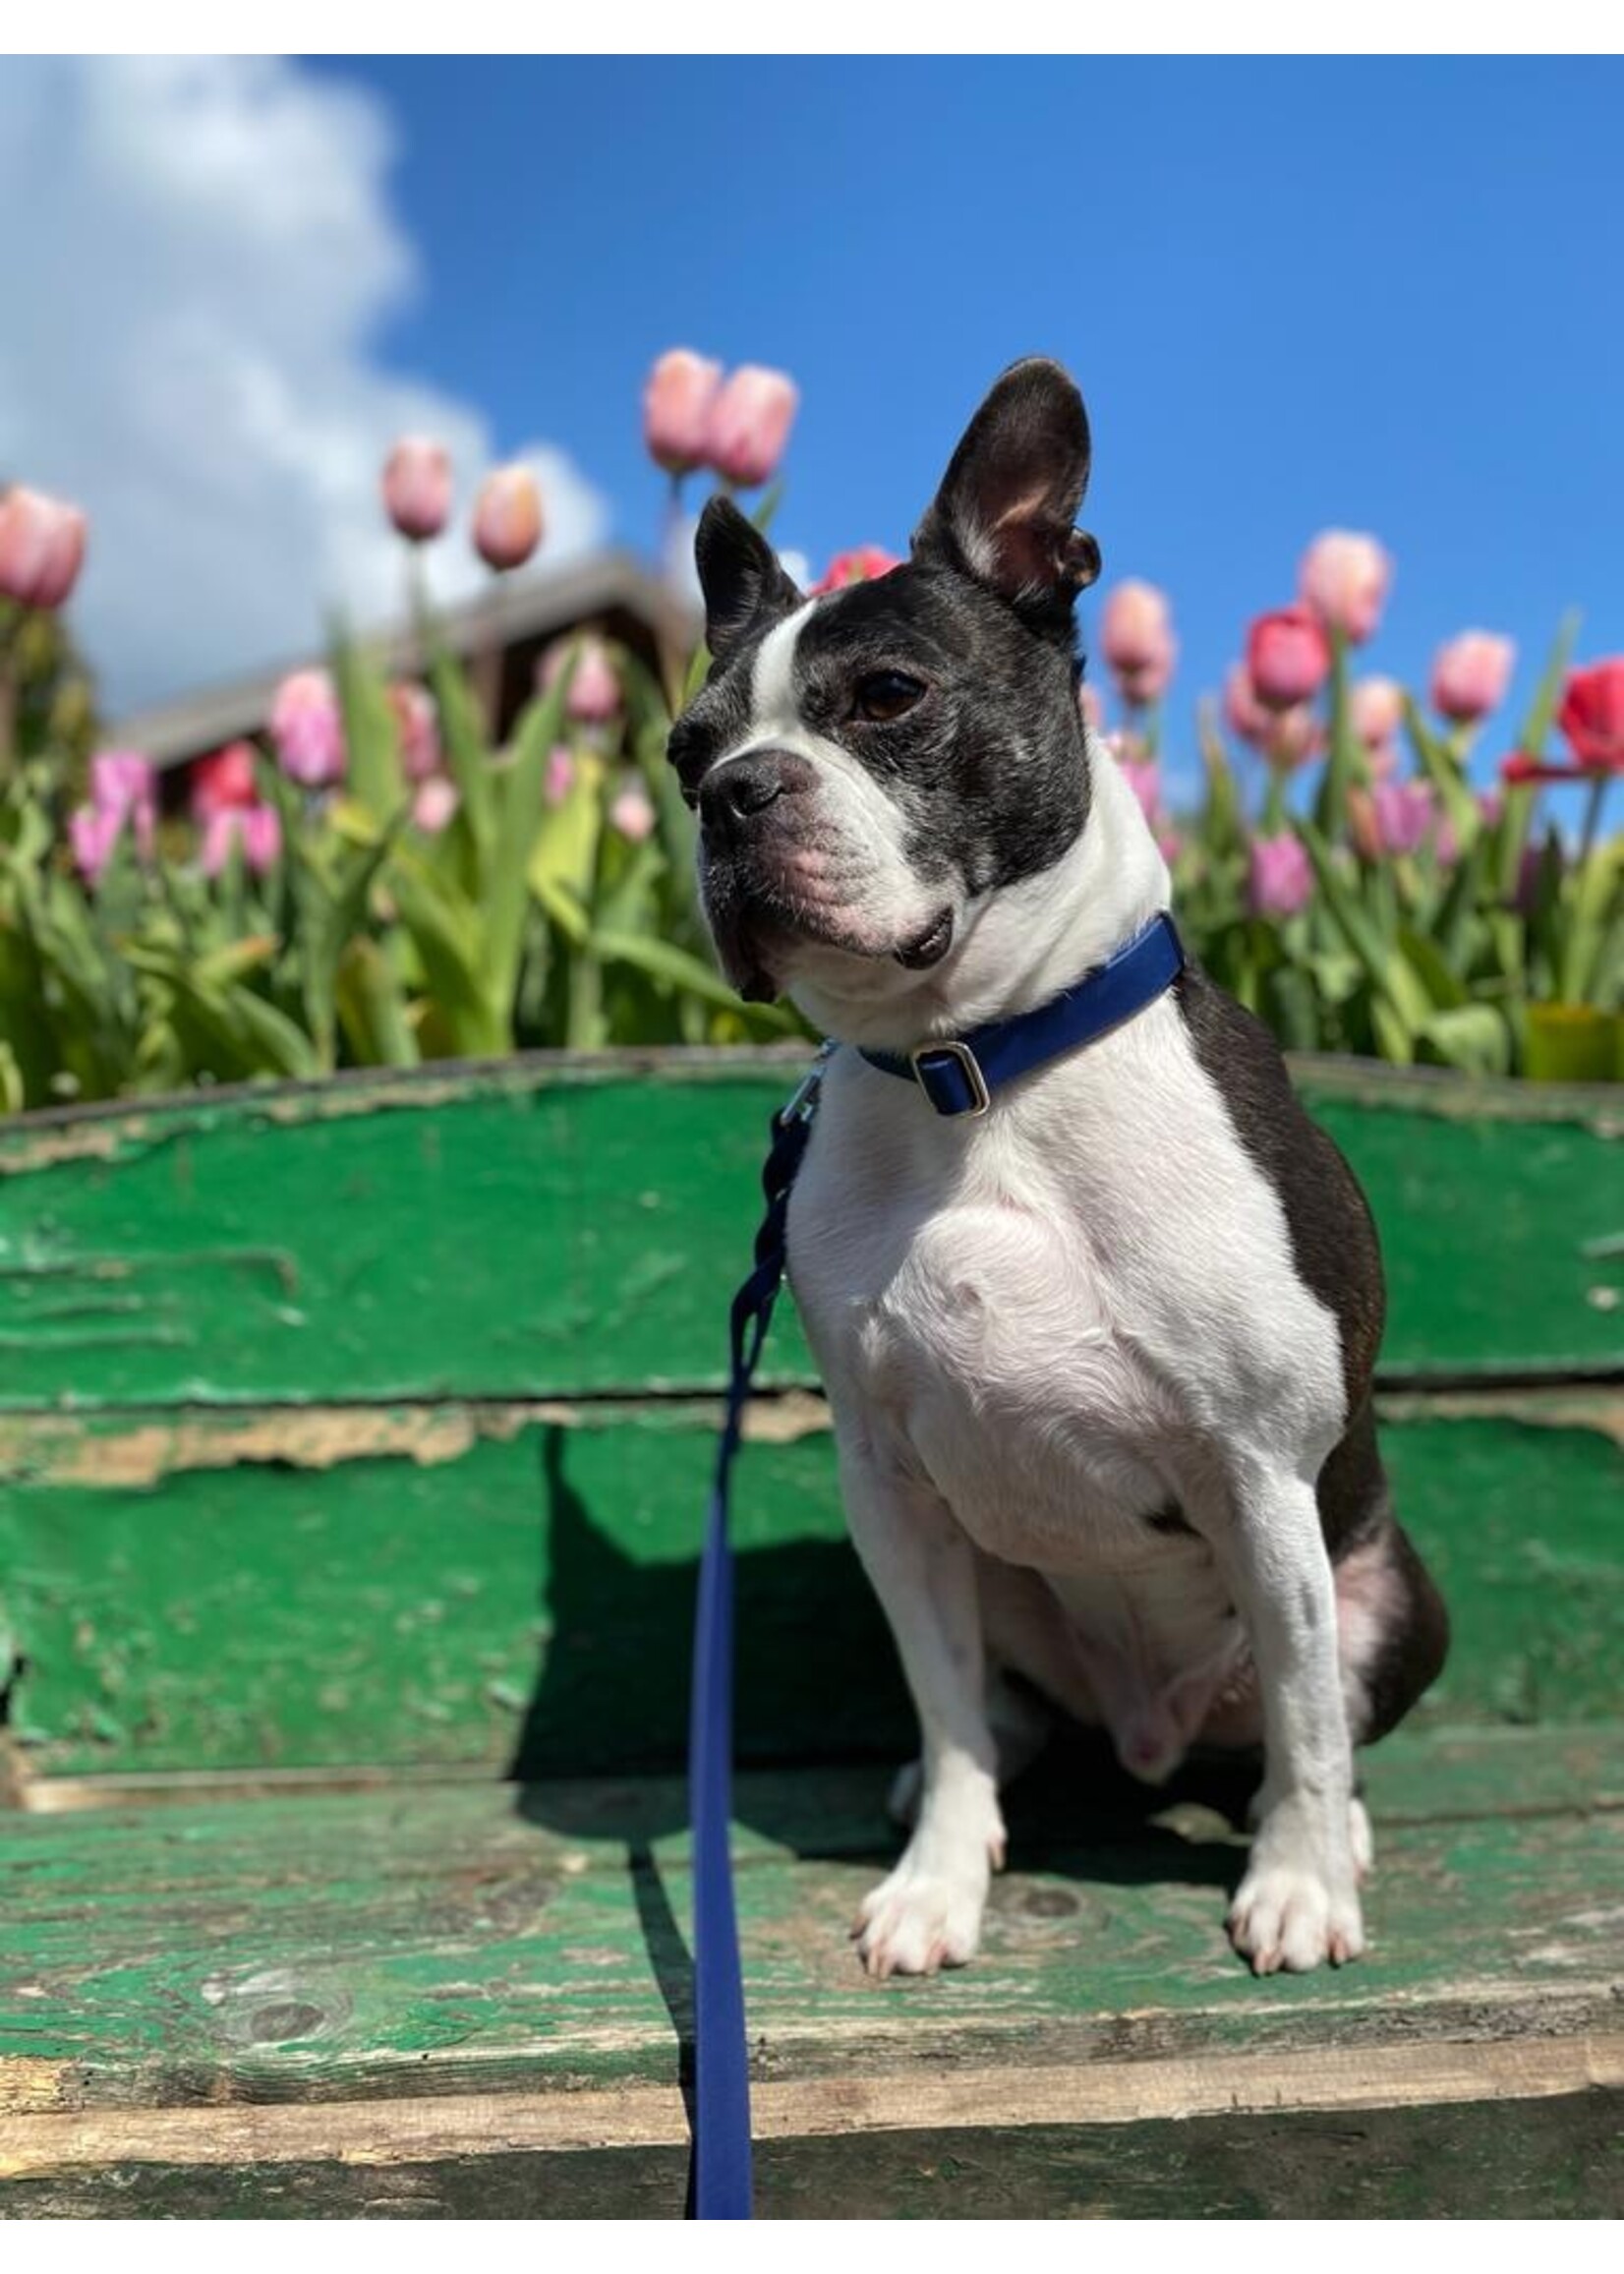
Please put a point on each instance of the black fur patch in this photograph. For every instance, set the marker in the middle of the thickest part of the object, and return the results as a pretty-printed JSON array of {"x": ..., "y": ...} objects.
[{"x": 1333, "y": 1238}]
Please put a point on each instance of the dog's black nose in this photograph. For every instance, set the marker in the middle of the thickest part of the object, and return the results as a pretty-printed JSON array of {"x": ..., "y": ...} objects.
[{"x": 731, "y": 793}]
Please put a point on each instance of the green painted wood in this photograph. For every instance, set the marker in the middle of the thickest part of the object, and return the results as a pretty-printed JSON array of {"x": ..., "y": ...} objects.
[
  {"x": 525, "y": 1596},
  {"x": 472, "y": 1938},
  {"x": 1528, "y": 2159},
  {"x": 551, "y": 1227}
]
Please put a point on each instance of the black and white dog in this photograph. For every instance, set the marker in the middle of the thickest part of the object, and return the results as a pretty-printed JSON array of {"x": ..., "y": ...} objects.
[{"x": 1099, "y": 1357}]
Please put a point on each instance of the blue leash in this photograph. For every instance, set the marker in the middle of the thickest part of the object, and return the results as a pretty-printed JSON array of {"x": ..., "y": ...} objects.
[
  {"x": 958, "y": 1077},
  {"x": 721, "y": 2057}
]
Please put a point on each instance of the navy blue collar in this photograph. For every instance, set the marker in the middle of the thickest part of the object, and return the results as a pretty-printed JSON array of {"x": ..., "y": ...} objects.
[{"x": 963, "y": 1075}]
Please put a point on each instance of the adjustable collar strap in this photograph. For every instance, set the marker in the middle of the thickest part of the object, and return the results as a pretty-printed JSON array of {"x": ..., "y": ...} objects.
[{"x": 963, "y": 1075}]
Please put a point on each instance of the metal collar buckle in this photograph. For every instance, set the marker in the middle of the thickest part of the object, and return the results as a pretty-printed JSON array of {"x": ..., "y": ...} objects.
[{"x": 981, "y": 1097}]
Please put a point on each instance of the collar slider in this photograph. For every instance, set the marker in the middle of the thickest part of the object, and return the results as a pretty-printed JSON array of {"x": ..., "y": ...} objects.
[{"x": 951, "y": 1076}]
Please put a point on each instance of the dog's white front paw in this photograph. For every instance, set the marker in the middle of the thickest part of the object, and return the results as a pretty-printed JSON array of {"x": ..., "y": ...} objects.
[
  {"x": 1298, "y": 1907},
  {"x": 922, "y": 1918}
]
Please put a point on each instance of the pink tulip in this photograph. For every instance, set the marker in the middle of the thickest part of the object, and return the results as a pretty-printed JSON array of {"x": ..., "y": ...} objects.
[
  {"x": 1136, "y": 640},
  {"x": 560, "y": 776},
  {"x": 434, "y": 804},
  {"x": 1391, "y": 819},
  {"x": 1135, "y": 626},
  {"x": 307, "y": 730},
  {"x": 1288, "y": 657},
  {"x": 1376, "y": 708},
  {"x": 750, "y": 424},
  {"x": 1344, "y": 578},
  {"x": 1246, "y": 716},
  {"x": 594, "y": 689},
  {"x": 417, "y": 728},
  {"x": 507, "y": 517},
  {"x": 1089, "y": 704},
  {"x": 225, "y": 778},
  {"x": 41, "y": 548},
  {"x": 92, "y": 833},
  {"x": 632, "y": 814},
  {"x": 860, "y": 565},
  {"x": 417, "y": 487},
  {"x": 257, "y": 829},
  {"x": 125, "y": 784},
  {"x": 1471, "y": 674},
  {"x": 1280, "y": 877},
  {"x": 1295, "y": 737},
  {"x": 676, "y": 408}
]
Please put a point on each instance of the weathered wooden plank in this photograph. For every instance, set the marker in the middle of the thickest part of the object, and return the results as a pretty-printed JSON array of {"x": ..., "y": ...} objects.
[
  {"x": 464, "y": 1940},
  {"x": 506, "y": 1587},
  {"x": 554, "y": 1228},
  {"x": 1543, "y": 2159}
]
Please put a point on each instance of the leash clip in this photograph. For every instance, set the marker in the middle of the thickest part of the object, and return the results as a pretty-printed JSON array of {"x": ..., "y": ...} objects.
[{"x": 802, "y": 1102}]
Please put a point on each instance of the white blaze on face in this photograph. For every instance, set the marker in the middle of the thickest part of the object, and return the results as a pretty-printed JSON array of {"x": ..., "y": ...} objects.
[{"x": 851, "y": 865}]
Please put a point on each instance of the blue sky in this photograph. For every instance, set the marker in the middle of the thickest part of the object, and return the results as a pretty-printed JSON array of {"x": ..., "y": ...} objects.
[{"x": 1381, "y": 295}]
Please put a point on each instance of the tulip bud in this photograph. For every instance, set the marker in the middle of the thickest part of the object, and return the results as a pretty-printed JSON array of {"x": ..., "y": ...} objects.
[
  {"x": 1280, "y": 877},
  {"x": 41, "y": 548},
  {"x": 257, "y": 829},
  {"x": 308, "y": 729},
  {"x": 507, "y": 517},
  {"x": 750, "y": 424},
  {"x": 632, "y": 814},
  {"x": 92, "y": 833},
  {"x": 1471, "y": 674},
  {"x": 1344, "y": 578},
  {"x": 417, "y": 487},
  {"x": 595, "y": 686},
  {"x": 1288, "y": 657},
  {"x": 561, "y": 775},
  {"x": 434, "y": 804},
  {"x": 676, "y": 408},
  {"x": 1376, "y": 707},
  {"x": 1089, "y": 704},
  {"x": 125, "y": 784}
]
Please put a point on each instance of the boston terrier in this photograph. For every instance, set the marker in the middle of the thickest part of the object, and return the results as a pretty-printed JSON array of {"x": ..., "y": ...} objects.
[{"x": 1098, "y": 1347}]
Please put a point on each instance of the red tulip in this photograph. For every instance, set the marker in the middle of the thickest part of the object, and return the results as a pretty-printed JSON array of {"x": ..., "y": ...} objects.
[
  {"x": 676, "y": 408},
  {"x": 1288, "y": 657},
  {"x": 222, "y": 780},
  {"x": 750, "y": 424},
  {"x": 1344, "y": 578},
  {"x": 41, "y": 548},
  {"x": 417, "y": 487},
  {"x": 1592, "y": 716},
  {"x": 1471, "y": 674},
  {"x": 507, "y": 517},
  {"x": 857, "y": 567}
]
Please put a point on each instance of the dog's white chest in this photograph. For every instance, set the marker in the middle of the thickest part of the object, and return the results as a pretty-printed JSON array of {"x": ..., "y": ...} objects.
[{"x": 1052, "y": 1319}]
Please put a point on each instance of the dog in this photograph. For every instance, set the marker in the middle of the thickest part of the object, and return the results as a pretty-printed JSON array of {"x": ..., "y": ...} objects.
[{"x": 1099, "y": 1357}]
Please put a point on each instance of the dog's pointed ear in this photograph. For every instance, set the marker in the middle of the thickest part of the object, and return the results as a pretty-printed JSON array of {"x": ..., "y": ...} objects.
[
  {"x": 745, "y": 586},
  {"x": 1006, "y": 509}
]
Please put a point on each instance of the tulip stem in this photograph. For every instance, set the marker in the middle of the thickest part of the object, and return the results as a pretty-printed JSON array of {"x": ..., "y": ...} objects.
[{"x": 1593, "y": 818}]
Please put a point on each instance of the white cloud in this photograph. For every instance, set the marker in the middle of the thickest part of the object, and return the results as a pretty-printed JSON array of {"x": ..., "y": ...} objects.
[{"x": 196, "y": 258}]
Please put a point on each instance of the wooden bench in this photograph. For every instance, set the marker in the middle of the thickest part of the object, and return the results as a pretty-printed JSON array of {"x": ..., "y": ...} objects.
[{"x": 353, "y": 1450}]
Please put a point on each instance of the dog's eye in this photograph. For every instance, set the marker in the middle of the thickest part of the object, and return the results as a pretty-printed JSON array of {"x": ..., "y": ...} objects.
[{"x": 885, "y": 695}]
